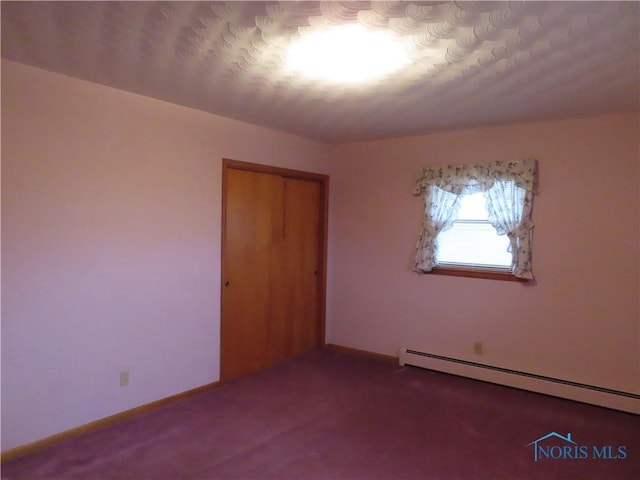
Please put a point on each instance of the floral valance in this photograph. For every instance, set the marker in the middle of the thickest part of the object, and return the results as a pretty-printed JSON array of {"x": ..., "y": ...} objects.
[{"x": 468, "y": 179}]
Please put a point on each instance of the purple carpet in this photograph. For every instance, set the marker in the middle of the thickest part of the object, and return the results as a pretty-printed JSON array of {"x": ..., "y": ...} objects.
[{"x": 337, "y": 415}]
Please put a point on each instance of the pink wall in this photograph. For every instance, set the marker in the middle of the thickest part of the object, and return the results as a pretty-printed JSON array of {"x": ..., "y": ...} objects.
[
  {"x": 578, "y": 321},
  {"x": 111, "y": 246}
]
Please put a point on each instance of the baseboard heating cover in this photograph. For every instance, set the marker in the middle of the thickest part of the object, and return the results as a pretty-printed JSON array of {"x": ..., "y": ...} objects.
[{"x": 604, "y": 397}]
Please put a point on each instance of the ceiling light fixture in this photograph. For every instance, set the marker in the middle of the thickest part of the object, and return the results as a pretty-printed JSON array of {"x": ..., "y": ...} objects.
[{"x": 347, "y": 54}]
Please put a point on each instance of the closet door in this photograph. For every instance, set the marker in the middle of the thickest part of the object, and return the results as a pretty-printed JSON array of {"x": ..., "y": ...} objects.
[
  {"x": 301, "y": 263},
  {"x": 254, "y": 224},
  {"x": 273, "y": 261}
]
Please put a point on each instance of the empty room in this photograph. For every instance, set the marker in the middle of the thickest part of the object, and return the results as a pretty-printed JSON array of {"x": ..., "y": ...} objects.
[{"x": 320, "y": 240}]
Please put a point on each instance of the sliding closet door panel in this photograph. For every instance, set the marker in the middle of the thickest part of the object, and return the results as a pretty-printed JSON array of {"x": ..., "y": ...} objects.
[
  {"x": 254, "y": 228},
  {"x": 279, "y": 339},
  {"x": 301, "y": 263},
  {"x": 273, "y": 266}
]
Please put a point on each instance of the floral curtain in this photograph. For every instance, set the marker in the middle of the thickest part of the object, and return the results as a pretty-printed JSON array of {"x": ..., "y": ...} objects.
[
  {"x": 509, "y": 188},
  {"x": 440, "y": 211},
  {"x": 509, "y": 209}
]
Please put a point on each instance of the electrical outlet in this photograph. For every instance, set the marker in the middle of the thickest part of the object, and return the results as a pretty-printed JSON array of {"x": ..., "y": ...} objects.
[
  {"x": 477, "y": 348},
  {"x": 124, "y": 378}
]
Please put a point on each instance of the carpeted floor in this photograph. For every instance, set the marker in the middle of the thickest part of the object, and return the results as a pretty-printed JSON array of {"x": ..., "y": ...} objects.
[{"x": 336, "y": 415}]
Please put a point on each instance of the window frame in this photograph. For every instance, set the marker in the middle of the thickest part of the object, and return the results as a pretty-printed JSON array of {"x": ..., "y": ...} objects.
[
  {"x": 474, "y": 270},
  {"x": 476, "y": 273}
]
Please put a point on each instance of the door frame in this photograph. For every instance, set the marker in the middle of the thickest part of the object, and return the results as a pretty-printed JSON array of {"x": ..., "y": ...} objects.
[{"x": 323, "y": 180}]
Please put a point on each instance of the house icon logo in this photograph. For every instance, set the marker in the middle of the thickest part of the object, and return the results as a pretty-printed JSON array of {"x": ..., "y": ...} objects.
[{"x": 537, "y": 449}]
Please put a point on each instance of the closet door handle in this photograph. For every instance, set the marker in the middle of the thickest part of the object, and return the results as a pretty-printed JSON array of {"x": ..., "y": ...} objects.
[{"x": 226, "y": 284}]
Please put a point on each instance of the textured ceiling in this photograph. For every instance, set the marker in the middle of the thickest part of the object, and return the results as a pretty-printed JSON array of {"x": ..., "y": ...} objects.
[{"x": 473, "y": 63}]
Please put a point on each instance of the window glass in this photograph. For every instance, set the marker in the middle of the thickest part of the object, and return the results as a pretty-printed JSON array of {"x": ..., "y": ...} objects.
[{"x": 472, "y": 240}]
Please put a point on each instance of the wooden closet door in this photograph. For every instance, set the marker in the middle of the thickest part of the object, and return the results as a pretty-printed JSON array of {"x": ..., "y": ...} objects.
[
  {"x": 273, "y": 261},
  {"x": 254, "y": 226},
  {"x": 301, "y": 264}
]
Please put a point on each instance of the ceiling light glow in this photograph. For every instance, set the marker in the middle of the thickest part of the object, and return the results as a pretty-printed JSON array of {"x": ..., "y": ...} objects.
[{"x": 347, "y": 54}]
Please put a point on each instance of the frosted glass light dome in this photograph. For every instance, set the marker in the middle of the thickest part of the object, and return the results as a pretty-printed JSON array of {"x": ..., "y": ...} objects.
[{"x": 347, "y": 54}]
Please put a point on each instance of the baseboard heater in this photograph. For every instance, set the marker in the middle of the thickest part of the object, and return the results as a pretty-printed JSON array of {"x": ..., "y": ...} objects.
[{"x": 605, "y": 397}]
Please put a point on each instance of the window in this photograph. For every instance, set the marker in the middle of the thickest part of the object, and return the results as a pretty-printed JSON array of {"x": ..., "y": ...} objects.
[
  {"x": 472, "y": 241},
  {"x": 477, "y": 217}
]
